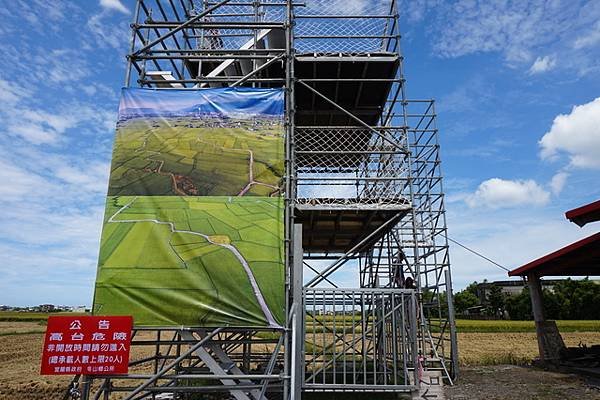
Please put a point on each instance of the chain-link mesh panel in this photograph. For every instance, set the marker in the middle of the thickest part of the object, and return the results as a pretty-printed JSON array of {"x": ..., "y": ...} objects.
[
  {"x": 240, "y": 12},
  {"x": 351, "y": 26},
  {"x": 323, "y": 26},
  {"x": 354, "y": 164}
]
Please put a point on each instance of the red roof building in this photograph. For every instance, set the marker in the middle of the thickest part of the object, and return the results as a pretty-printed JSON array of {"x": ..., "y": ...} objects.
[
  {"x": 585, "y": 214},
  {"x": 581, "y": 258}
]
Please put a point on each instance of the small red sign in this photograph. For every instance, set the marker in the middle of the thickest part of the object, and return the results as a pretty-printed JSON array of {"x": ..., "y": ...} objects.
[{"x": 86, "y": 345}]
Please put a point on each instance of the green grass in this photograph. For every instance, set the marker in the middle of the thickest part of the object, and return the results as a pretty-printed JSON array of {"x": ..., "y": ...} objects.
[
  {"x": 472, "y": 326},
  {"x": 142, "y": 144},
  {"x": 467, "y": 325},
  {"x": 16, "y": 316},
  {"x": 166, "y": 278},
  {"x": 21, "y": 333}
]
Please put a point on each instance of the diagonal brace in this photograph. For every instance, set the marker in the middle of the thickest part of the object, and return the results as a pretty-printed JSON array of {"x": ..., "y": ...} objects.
[
  {"x": 342, "y": 260},
  {"x": 224, "y": 358},
  {"x": 354, "y": 117},
  {"x": 215, "y": 368},
  {"x": 257, "y": 70},
  {"x": 174, "y": 363},
  {"x": 180, "y": 27}
]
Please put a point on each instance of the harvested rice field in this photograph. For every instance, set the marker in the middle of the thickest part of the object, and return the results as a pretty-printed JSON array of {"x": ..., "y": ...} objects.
[{"x": 490, "y": 363}]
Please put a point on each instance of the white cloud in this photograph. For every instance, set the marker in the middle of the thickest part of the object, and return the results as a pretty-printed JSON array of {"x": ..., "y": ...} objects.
[
  {"x": 114, "y": 5},
  {"x": 33, "y": 132},
  {"x": 51, "y": 221},
  {"x": 41, "y": 127},
  {"x": 42, "y": 246},
  {"x": 16, "y": 183},
  {"x": 512, "y": 28},
  {"x": 589, "y": 39},
  {"x": 37, "y": 226},
  {"x": 500, "y": 193},
  {"x": 116, "y": 37},
  {"x": 542, "y": 64},
  {"x": 48, "y": 179},
  {"x": 576, "y": 134},
  {"x": 59, "y": 123},
  {"x": 61, "y": 66},
  {"x": 346, "y": 7},
  {"x": 94, "y": 88},
  {"x": 46, "y": 67},
  {"x": 92, "y": 179},
  {"x": 10, "y": 93},
  {"x": 511, "y": 237},
  {"x": 49, "y": 124},
  {"x": 416, "y": 9},
  {"x": 558, "y": 182},
  {"x": 54, "y": 147},
  {"x": 54, "y": 10},
  {"x": 517, "y": 30}
]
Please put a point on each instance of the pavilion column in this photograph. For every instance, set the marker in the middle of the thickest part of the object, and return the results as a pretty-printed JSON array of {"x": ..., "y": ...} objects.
[
  {"x": 537, "y": 302},
  {"x": 550, "y": 343},
  {"x": 537, "y": 307}
]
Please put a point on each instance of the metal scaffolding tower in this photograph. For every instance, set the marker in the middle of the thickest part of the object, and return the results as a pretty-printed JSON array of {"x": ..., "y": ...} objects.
[{"x": 369, "y": 297}]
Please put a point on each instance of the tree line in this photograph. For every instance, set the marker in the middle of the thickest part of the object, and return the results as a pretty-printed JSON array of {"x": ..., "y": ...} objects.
[{"x": 568, "y": 299}]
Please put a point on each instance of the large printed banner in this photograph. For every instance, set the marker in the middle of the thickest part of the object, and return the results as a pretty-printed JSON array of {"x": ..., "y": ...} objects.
[{"x": 193, "y": 230}]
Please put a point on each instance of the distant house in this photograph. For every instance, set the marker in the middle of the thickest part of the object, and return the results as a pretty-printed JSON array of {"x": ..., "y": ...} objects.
[
  {"x": 475, "y": 311},
  {"x": 46, "y": 307}
]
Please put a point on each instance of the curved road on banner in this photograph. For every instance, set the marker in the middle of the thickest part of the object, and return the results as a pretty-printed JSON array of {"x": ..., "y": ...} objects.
[{"x": 231, "y": 248}]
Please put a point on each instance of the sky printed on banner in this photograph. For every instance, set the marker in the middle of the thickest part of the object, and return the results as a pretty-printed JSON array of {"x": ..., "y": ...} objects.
[
  {"x": 233, "y": 102},
  {"x": 518, "y": 103}
]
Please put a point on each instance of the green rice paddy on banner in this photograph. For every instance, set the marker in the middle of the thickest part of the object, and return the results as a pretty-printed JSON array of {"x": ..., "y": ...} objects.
[{"x": 193, "y": 228}]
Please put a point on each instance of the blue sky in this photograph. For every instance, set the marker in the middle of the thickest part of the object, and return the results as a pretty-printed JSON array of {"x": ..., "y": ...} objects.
[{"x": 516, "y": 84}]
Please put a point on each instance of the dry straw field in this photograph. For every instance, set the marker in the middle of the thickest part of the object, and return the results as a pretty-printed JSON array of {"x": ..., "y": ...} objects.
[{"x": 482, "y": 344}]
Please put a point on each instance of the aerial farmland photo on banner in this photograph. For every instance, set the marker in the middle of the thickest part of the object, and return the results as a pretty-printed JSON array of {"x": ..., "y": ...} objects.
[
  {"x": 194, "y": 219},
  {"x": 215, "y": 143}
]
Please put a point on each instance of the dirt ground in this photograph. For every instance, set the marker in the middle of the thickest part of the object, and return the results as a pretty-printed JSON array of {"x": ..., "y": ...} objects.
[
  {"x": 21, "y": 327},
  {"x": 509, "y": 382},
  {"x": 20, "y": 360},
  {"x": 20, "y": 368},
  {"x": 20, "y": 365}
]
